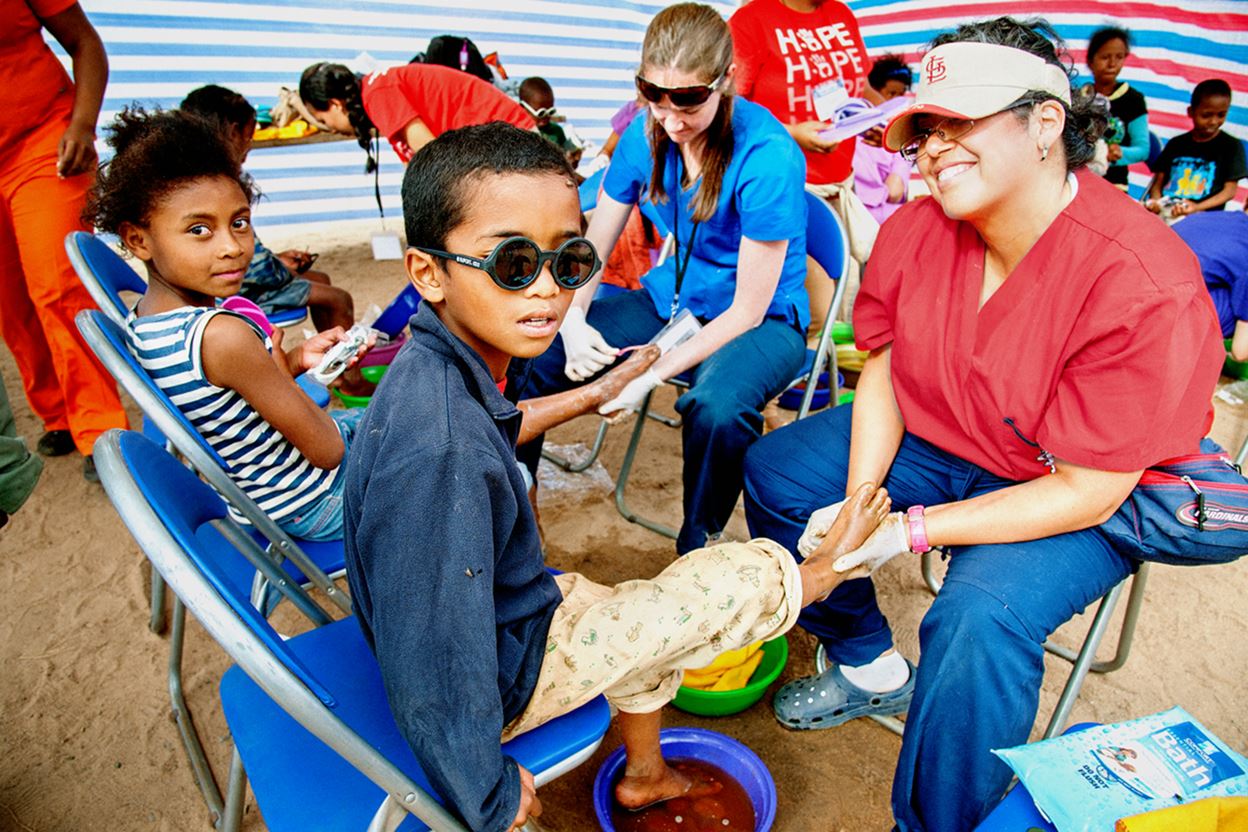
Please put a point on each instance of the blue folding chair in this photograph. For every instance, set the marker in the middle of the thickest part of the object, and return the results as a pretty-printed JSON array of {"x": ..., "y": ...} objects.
[
  {"x": 827, "y": 244},
  {"x": 307, "y": 562},
  {"x": 106, "y": 276},
  {"x": 312, "y": 728}
]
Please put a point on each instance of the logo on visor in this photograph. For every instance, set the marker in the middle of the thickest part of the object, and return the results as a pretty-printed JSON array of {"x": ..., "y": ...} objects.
[{"x": 936, "y": 70}]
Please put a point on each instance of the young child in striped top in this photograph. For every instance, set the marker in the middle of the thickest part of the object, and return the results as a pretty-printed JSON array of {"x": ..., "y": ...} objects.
[{"x": 175, "y": 195}]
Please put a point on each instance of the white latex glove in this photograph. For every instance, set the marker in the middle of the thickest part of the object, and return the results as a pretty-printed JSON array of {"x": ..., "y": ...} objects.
[
  {"x": 817, "y": 527},
  {"x": 633, "y": 394},
  {"x": 885, "y": 543},
  {"x": 585, "y": 349}
]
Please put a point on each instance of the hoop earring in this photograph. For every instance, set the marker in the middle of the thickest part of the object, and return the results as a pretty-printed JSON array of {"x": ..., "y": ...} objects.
[{"x": 1044, "y": 152}]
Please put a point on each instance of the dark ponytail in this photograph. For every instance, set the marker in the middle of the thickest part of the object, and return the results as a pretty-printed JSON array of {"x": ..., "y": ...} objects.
[{"x": 323, "y": 81}]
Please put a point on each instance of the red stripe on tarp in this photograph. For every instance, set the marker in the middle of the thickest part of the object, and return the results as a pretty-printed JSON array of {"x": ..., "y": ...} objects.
[
  {"x": 1222, "y": 21},
  {"x": 1163, "y": 66}
]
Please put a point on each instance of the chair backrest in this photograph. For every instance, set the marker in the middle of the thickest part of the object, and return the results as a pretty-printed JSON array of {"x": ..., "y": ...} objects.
[
  {"x": 398, "y": 312},
  {"x": 107, "y": 340},
  {"x": 825, "y": 237},
  {"x": 162, "y": 504},
  {"x": 103, "y": 272}
]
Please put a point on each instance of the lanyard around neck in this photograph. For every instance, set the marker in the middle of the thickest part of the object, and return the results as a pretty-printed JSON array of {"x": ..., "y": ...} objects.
[{"x": 681, "y": 268}]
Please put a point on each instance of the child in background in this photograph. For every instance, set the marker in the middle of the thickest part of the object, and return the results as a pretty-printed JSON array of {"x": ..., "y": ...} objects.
[
  {"x": 176, "y": 196},
  {"x": 882, "y": 178},
  {"x": 1200, "y": 169},
  {"x": 435, "y": 501},
  {"x": 1127, "y": 131},
  {"x": 274, "y": 282},
  {"x": 538, "y": 100}
]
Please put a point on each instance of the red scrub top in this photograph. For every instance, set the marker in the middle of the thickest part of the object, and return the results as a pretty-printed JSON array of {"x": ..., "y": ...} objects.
[
  {"x": 1102, "y": 346},
  {"x": 37, "y": 88},
  {"x": 442, "y": 97}
]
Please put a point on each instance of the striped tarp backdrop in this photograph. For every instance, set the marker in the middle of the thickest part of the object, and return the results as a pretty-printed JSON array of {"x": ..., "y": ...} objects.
[
  {"x": 1176, "y": 45},
  {"x": 161, "y": 49}
]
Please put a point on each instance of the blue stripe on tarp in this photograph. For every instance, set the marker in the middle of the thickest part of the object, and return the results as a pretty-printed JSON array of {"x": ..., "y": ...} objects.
[
  {"x": 279, "y": 78},
  {"x": 283, "y": 27},
  {"x": 919, "y": 38}
]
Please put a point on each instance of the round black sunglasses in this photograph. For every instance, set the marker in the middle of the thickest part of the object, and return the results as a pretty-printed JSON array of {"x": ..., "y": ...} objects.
[{"x": 517, "y": 261}]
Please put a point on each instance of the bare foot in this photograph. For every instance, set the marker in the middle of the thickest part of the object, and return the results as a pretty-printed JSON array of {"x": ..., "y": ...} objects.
[
  {"x": 858, "y": 518},
  {"x": 609, "y": 386},
  {"x": 637, "y": 791},
  {"x": 353, "y": 383}
]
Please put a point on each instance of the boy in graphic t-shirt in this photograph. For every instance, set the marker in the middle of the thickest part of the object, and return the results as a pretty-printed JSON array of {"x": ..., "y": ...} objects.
[{"x": 1200, "y": 169}]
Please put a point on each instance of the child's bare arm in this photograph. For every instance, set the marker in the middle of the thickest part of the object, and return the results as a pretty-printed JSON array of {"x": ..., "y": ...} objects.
[
  {"x": 234, "y": 357},
  {"x": 1216, "y": 200}
]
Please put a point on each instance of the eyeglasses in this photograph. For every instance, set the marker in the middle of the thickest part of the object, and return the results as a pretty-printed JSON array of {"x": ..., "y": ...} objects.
[
  {"x": 517, "y": 261},
  {"x": 544, "y": 112},
  {"x": 949, "y": 130},
  {"x": 694, "y": 96}
]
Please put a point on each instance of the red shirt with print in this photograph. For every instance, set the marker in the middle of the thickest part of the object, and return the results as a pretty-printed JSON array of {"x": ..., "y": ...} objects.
[
  {"x": 1102, "y": 346},
  {"x": 442, "y": 97},
  {"x": 782, "y": 54}
]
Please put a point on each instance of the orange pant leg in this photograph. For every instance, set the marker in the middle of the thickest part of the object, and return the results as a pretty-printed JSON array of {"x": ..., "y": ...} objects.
[
  {"x": 42, "y": 209},
  {"x": 21, "y": 330}
]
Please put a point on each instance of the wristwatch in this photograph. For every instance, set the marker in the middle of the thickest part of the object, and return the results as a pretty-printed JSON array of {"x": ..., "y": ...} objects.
[{"x": 918, "y": 530}]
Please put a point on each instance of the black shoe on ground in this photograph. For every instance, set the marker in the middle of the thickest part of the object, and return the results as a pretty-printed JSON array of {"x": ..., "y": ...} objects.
[
  {"x": 55, "y": 443},
  {"x": 88, "y": 469}
]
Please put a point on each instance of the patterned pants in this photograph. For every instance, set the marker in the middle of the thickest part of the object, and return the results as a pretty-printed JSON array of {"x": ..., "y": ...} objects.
[{"x": 632, "y": 642}]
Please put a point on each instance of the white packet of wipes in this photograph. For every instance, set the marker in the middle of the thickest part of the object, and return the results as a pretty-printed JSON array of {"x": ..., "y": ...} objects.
[{"x": 1087, "y": 780}]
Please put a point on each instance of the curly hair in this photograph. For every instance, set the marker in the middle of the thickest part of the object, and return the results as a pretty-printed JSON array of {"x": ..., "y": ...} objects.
[
  {"x": 155, "y": 153},
  {"x": 1085, "y": 120}
]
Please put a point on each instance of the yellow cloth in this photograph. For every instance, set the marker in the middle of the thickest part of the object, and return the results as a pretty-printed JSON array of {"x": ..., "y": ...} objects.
[
  {"x": 1213, "y": 814},
  {"x": 297, "y": 129},
  {"x": 730, "y": 671}
]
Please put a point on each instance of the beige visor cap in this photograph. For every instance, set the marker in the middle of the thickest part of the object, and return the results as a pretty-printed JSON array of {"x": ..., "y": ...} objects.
[{"x": 974, "y": 80}]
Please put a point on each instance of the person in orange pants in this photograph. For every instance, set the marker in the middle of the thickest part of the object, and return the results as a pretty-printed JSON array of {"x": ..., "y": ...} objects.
[{"x": 47, "y": 162}]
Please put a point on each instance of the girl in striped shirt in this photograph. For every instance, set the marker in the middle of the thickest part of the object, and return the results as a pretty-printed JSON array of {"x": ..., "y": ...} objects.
[{"x": 175, "y": 195}]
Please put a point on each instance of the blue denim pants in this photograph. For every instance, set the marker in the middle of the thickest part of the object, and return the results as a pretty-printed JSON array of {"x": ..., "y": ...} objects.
[
  {"x": 721, "y": 413},
  {"x": 978, "y": 682},
  {"x": 322, "y": 519}
]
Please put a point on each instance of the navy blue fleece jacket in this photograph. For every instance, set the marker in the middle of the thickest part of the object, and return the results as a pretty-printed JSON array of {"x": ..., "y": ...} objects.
[{"x": 445, "y": 566}]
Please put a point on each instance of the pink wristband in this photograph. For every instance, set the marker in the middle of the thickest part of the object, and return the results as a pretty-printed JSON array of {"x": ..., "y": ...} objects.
[{"x": 918, "y": 530}]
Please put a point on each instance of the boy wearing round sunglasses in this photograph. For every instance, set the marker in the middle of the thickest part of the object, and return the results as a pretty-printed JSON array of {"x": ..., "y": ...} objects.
[{"x": 440, "y": 540}]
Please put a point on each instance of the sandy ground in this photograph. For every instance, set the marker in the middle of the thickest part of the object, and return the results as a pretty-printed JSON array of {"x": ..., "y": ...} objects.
[{"x": 85, "y": 730}]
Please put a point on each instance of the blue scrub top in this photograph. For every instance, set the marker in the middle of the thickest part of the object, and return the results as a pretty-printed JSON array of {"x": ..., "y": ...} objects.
[
  {"x": 761, "y": 198},
  {"x": 1220, "y": 240}
]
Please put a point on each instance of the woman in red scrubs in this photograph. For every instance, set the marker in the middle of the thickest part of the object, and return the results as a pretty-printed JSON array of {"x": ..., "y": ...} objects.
[
  {"x": 1035, "y": 344},
  {"x": 409, "y": 105}
]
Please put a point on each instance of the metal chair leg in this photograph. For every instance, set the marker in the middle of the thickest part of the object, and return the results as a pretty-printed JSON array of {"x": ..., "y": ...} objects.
[
  {"x": 577, "y": 467},
  {"x": 156, "y": 623},
  {"x": 1126, "y": 634},
  {"x": 182, "y": 716},
  {"x": 626, "y": 467},
  {"x": 235, "y": 795},
  {"x": 1083, "y": 662}
]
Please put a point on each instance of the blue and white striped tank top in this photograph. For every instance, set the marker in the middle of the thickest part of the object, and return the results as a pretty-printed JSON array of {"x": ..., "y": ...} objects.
[{"x": 264, "y": 463}]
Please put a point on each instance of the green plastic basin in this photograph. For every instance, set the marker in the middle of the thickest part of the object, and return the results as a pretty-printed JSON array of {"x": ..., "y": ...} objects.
[
  {"x": 1233, "y": 368},
  {"x": 725, "y": 702}
]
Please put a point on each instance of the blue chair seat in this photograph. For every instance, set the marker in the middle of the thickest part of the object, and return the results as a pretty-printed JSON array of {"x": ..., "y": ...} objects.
[
  {"x": 288, "y": 317},
  {"x": 329, "y": 555},
  {"x": 303, "y": 784},
  {"x": 316, "y": 391}
]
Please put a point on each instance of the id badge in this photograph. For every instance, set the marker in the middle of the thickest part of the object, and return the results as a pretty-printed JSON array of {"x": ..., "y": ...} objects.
[{"x": 678, "y": 330}]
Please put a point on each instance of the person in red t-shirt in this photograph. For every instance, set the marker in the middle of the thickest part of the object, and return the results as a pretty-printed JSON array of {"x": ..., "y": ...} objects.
[
  {"x": 1031, "y": 353},
  {"x": 47, "y": 161},
  {"x": 409, "y": 105},
  {"x": 784, "y": 49}
]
